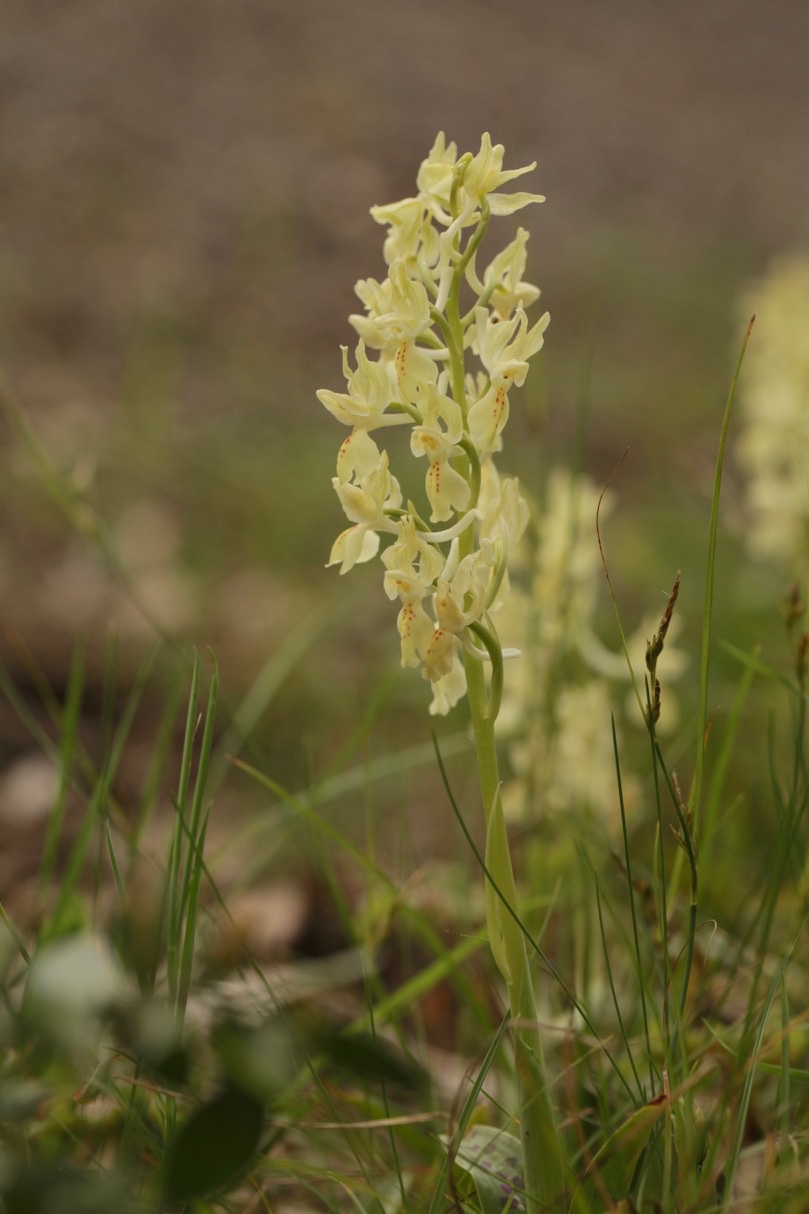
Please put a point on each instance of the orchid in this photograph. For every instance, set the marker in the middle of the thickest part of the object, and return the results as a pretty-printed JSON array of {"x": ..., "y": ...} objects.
[
  {"x": 367, "y": 503},
  {"x": 447, "y": 490},
  {"x": 503, "y": 280},
  {"x": 409, "y": 230},
  {"x": 412, "y": 566},
  {"x": 449, "y": 574},
  {"x": 435, "y": 177},
  {"x": 368, "y": 396},
  {"x": 504, "y": 346},
  {"x": 397, "y": 309},
  {"x": 413, "y": 366}
]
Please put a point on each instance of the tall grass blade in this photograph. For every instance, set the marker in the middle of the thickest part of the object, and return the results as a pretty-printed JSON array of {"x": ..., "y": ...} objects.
[
  {"x": 707, "y": 611},
  {"x": 97, "y": 808},
  {"x": 174, "y": 893}
]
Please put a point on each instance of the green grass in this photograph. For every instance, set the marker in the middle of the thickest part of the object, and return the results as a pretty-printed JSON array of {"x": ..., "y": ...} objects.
[
  {"x": 676, "y": 1095},
  {"x": 142, "y": 1071}
]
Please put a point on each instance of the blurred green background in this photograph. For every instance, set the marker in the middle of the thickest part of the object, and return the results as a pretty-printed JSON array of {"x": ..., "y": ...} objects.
[{"x": 184, "y": 194}]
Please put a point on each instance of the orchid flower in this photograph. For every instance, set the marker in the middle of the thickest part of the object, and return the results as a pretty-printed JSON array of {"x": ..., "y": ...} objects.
[{"x": 420, "y": 363}]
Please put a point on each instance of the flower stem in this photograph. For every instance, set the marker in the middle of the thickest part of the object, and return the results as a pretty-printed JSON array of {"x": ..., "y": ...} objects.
[
  {"x": 544, "y": 1171},
  {"x": 543, "y": 1159}
]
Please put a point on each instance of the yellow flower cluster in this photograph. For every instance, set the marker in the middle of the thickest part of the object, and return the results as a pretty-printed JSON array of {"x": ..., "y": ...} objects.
[
  {"x": 433, "y": 313},
  {"x": 773, "y": 447},
  {"x": 557, "y": 707}
]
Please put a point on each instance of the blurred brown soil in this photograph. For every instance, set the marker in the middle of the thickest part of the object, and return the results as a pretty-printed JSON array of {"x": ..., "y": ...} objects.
[{"x": 217, "y": 160}]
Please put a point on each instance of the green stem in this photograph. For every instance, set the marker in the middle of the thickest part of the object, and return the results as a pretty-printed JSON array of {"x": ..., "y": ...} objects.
[
  {"x": 544, "y": 1171},
  {"x": 702, "y": 719},
  {"x": 488, "y": 637},
  {"x": 543, "y": 1159}
]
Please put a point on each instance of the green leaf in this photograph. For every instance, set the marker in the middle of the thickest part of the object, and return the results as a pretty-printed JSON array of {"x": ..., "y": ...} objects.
[
  {"x": 367, "y": 1056},
  {"x": 213, "y": 1148},
  {"x": 493, "y": 1159},
  {"x": 498, "y": 864}
]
